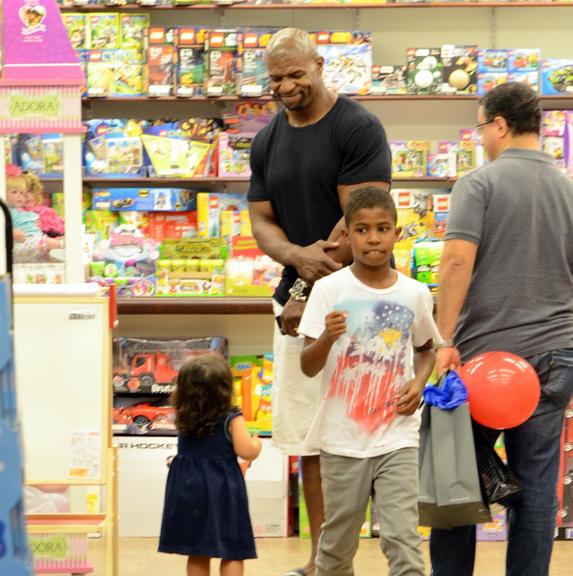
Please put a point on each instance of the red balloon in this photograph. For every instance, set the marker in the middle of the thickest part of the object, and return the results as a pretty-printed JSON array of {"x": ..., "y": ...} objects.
[{"x": 503, "y": 389}]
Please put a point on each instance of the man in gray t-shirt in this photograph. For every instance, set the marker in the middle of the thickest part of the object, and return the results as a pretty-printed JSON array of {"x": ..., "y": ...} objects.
[{"x": 506, "y": 283}]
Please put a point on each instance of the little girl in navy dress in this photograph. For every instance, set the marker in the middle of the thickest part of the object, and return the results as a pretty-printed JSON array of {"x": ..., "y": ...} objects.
[{"x": 206, "y": 511}]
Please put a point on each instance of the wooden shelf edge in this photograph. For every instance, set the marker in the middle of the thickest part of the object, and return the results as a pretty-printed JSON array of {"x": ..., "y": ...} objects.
[{"x": 207, "y": 305}]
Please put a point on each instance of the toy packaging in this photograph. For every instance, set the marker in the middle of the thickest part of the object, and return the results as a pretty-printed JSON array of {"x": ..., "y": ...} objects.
[
  {"x": 76, "y": 25},
  {"x": 191, "y": 62},
  {"x": 113, "y": 148},
  {"x": 489, "y": 80},
  {"x": 210, "y": 207},
  {"x": 247, "y": 116},
  {"x": 170, "y": 225},
  {"x": 556, "y": 136},
  {"x": 151, "y": 415},
  {"x": 388, "y": 80},
  {"x": 200, "y": 249},
  {"x": 221, "y": 54},
  {"x": 493, "y": 60},
  {"x": 190, "y": 277},
  {"x": 100, "y": 72},
  {"x": 151, "y": 366},
  {"x": 234, "y": 153},
  {"x": 524, "y": 65},
  {"x": 249, "y": 272},
  {"x": 174, "y": 157},
  {"x": 42, "y": 154},
  {"x": 126, "y": 260},
  {"x": 409, "y": 159},
  {"x": 253, "y": 80},
  {"x": 557, "y": 77},
  {"x": 441, "y": 206},
  {"x": 439, "y": 165},
  {"x": 161, "y": 61},
  {"x": 252, "y": 387},
  {"x": 460, "y": 69},
  {"x": 496, "y": 530},
  {"x": 524, "y": 60},
  {"x": 347, "y": 60},
  {"x": 103, "y": 30},
  {"x": 144, "y": 199},
  {"x": 529, "y": 78},
  {"x": 426, "y": 262},
  {"x": 461, "y": 157},
  {"x": 133, "y": 29},
  {"x": 425, "y": 70},
  {"x": 415, "y": 221}
]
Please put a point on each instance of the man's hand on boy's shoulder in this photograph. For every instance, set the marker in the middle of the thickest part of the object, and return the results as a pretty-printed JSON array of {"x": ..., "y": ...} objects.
[{"x": 409, "y": 398}]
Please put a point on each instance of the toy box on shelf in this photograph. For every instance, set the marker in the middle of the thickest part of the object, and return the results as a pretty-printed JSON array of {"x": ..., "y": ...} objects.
[
  {"x": 221, "y": 55},
  {"x": 557, "y": 76},
  {"x": 557, "y": 138},
  {"x": 253, "y": 80},
  {"x": 460, "y": 69},
  {"x": 127, "y": 260},
  {"x": 191, "y": 61},
  {"x": 191, "y": 267},
  {"x": 234, "y": 153},
  {"x": 409, "y": 158},
  {"x": 150, "y": 366},
  {"x": 144, "y": 373},
  {"x": 347, "y": 60},
  {"x": 426, "y": 262},
  {"x": 415, "y": 222},
  {"x": 253, "y": 381},
  {"x": 249, "y": 272},
  {"x": 144, "y": 199},
  {"x": 388, "y": 80},
  {"x": 161, "y": 61},
  {"x": 425, "y": 70}
]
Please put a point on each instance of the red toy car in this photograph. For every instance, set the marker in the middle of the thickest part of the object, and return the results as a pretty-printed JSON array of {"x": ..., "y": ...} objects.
[{"x": 143, "y": 414}]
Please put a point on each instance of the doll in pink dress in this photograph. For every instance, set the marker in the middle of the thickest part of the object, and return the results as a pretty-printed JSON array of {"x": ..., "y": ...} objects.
[{"x": 50, "y": 223}]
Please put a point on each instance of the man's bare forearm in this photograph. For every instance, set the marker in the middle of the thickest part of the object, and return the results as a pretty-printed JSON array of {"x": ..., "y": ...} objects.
[
  {"x": 273, "y": 241},
  {"x": 455, "y": 278}
]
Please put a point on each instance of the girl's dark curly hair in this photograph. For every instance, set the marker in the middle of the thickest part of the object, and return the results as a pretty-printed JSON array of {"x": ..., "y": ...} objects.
[{"x": 203, "y": 395}]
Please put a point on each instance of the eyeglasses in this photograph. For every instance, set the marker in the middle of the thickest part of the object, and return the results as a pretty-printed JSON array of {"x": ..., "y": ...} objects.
[{"x": 479, "y": 127}]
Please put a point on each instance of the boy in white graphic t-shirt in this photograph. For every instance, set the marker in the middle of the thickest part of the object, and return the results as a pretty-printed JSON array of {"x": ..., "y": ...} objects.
[{"x": 371, "y": 329}]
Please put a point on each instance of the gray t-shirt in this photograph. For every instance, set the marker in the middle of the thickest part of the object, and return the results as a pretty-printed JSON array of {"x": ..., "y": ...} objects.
[{"x": 519, "y": 210}]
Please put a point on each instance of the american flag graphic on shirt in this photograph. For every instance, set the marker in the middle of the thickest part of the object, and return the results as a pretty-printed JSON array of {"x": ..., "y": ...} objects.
[{"x": 371, "y": 361}]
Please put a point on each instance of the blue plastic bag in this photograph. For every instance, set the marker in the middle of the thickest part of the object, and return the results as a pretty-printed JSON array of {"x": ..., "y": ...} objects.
[{"x": 449, "y": 393}]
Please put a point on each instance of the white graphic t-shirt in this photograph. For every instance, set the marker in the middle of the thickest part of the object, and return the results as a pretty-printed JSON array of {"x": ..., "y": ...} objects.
[{"x": 369, "y": 364}]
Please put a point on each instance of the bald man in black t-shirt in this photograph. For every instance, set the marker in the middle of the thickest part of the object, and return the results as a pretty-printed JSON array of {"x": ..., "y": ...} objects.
[{"x": 304, "y": 163}]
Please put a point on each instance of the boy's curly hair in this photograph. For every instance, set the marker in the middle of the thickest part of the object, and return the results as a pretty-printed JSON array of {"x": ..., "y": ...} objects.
[{"x": 203, "y": 395}]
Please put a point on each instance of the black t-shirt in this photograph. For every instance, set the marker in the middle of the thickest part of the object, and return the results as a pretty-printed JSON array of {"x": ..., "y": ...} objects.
[{"x": 298, "y": 171}]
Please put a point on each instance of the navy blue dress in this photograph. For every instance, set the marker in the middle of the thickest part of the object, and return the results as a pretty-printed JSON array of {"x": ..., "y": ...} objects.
[{"x": 206, "y": 511}]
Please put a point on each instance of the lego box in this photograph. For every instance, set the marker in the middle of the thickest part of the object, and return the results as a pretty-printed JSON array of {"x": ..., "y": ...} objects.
[{"x": 144, "y": 199}]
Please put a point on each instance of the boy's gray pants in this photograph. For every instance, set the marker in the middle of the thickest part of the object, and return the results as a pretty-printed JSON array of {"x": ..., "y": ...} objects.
[{"x": 347, "y": 484}]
